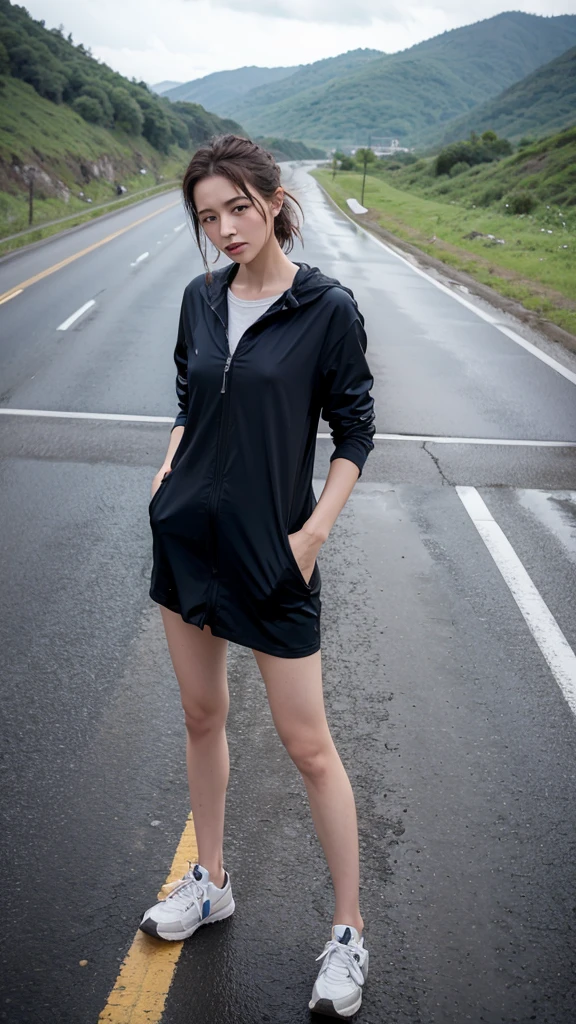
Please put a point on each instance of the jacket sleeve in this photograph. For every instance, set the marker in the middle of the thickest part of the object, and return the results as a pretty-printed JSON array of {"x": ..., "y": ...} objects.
[
  {"x": 346, "y": 402},
  {"x": 181, "y": 360}
]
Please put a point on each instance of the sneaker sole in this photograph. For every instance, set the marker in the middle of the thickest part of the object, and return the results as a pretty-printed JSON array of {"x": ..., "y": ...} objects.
[
  {"x": 327, "y": 1008},
  {"x": 151, "y": 927}
]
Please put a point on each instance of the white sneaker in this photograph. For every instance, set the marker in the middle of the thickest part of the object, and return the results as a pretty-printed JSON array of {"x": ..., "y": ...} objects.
[
  {"x": 337, "y": 990},
  {"x": 192, "y": 901}
]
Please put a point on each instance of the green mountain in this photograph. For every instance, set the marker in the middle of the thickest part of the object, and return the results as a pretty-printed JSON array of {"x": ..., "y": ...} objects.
[
  {"x": 222, "y": 88},
  {"x": 406, "y": 94},
  {"x": 307, "y": 77},
  {"x": 542, "y": 103}
]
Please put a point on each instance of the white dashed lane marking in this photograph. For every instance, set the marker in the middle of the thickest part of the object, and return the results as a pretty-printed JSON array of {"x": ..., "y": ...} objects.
[{"x": 75, "y": 316}]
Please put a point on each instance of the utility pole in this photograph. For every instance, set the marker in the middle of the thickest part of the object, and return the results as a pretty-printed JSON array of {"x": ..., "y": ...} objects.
[
  {"x": 31, "y": 173},
  {"x": 365, "y": 162}
]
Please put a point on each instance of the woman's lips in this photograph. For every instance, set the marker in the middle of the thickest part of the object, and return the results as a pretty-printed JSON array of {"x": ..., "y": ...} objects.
[{"x": 235, "y": 248}]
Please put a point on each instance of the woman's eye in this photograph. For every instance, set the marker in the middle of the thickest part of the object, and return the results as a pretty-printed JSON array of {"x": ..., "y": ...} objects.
[{"x": 239, "y": 207}]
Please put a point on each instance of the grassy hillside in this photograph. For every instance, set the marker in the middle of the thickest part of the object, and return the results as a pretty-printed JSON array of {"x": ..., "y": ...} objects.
[
  {"x": 221, "y": 89},
  {"x": 465, "y": 221},
  {"x": 70, "y": 156},
  {"x": 546, "y": 170},
  {"x": 407, "y": 93},
  {"x": 539, "y": 104},
  {"x": 79, "y": 129}
]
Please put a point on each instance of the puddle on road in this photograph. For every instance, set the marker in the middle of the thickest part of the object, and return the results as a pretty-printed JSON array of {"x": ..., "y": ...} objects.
[{"x": 556, "y": 510}]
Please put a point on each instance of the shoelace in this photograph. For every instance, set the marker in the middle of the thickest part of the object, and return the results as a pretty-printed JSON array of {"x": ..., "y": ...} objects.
[
  {"x": 341, "y": 962},
  {"x": 183, "y": 888}
]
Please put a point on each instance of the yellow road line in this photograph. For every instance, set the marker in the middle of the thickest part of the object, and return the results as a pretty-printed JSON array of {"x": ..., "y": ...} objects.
[
  {"x": 10, "y": 295},
  {"x": 148, "y": 968},
  {"x": 76, "y": 256}
]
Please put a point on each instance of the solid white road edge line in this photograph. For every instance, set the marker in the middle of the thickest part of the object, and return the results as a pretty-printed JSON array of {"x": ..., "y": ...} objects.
[
  {"x": 439, "y": 439},
  {"x": 72, "y": 319},
  {"x": 538, "y": 617},
  {"x": 568, "y": 374},
  {"x": 435, "y": 438}
]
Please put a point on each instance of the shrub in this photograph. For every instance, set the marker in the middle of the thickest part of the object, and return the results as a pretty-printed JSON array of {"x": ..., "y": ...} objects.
[
  {"x": 90, "y": 109},
  {"x": 520, "y": 202},
  {"x": 472, "y": 151},
  {"x": 493, "y": 194},
  {"x": 450, "y": 155},
  {"x": 459, "y": 168}
]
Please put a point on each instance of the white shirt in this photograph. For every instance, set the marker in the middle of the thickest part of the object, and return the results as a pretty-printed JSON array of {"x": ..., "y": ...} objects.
[{"x": 242, "y": 313}]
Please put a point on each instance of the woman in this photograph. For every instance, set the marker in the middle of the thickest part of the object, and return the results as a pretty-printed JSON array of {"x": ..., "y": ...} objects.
[{"x": 264, "y": 347}]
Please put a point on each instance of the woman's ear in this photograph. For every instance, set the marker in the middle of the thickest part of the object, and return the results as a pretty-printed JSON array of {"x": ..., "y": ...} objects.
[{"x": 278, "y": 201}]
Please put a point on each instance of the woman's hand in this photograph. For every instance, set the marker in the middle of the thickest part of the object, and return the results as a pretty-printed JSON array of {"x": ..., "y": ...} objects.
[
  {"x": 157, "y": 480},
  {"x": 305, "y": 546}
]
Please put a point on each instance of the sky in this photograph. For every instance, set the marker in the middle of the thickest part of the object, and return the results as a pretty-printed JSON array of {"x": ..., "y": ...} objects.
[{"x": 178, "y": 40}]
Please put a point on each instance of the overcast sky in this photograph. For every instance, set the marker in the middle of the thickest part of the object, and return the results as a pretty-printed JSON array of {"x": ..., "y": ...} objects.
[{"x": 179, "y": 40}]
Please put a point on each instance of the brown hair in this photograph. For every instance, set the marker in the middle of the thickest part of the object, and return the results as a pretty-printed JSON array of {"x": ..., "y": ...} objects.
[{"x": 238, "y": 159}]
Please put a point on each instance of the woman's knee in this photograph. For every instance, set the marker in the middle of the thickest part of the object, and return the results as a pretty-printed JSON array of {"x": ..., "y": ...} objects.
[
  {"x": 313, "y": 756},
  {"x": 202, "y": 720}
]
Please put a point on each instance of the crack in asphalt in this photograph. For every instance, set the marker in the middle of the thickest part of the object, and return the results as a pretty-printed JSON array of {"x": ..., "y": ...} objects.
[{"x": 436, "y": 462}]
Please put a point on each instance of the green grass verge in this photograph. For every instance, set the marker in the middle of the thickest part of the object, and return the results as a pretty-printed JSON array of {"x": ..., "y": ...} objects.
[{"x": 536, "y": 265}]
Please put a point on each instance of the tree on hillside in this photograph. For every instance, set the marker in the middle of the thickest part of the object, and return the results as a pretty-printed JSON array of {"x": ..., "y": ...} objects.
[
  {"x": 364, "y": 155},
  {"x": 35, "y": 65},
  {"x": 156, "y": 127},
  {"x": 127, "y": 113},
  {"x": 90, "y": 109},
  {"x": 97, "y": 92},
  {"x": 4, "y": 60}
]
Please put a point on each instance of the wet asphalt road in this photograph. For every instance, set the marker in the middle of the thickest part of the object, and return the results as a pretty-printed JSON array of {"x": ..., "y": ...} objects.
[{"x": 458, "y": 741}]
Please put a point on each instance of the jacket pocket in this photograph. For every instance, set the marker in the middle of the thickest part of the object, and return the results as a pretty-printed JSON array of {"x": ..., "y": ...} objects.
[
  {"x": 296, "y": 568},
  {"x": 158, "y": 489}
]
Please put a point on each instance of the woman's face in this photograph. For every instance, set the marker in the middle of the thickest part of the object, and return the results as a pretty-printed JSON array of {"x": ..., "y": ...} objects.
[{"x": 228, "y": 217}]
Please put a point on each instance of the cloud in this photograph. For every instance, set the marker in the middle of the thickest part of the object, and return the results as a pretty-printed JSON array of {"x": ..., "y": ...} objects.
[
  {"x": 337, "y": 12},
  {"x": 186, "y": 39}
]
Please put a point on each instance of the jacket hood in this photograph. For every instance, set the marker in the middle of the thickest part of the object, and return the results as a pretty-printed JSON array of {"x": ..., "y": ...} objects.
[{"x": 308, "y": 285}]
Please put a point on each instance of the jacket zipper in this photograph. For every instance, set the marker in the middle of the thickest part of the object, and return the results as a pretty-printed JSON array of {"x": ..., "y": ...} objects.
[
  {"x": 216, "y": 485},
  {"x": 226, "y": 368},
  {"x": 215, "y": 492}
]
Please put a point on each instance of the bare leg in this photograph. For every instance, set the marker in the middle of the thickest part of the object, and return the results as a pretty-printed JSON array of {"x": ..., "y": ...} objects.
[
  {"x": 294, "y": 688},
  {"x": 199, "y": 661}
]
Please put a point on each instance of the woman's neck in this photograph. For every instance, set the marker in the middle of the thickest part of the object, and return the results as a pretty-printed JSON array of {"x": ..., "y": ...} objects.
[{"x": 267, "y": 274}]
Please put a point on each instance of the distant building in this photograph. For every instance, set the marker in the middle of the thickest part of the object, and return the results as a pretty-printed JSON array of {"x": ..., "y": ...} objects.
[{"x": 383, "y": 146}]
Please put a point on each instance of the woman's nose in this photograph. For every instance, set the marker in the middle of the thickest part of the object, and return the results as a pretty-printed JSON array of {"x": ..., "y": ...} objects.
[{"x": 227, "y": 230}]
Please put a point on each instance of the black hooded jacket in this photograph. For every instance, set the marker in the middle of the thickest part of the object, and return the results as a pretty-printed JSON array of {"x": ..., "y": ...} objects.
[{"x": 241, "y": 477}]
